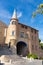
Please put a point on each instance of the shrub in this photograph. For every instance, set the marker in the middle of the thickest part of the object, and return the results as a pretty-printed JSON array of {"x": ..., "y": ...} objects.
[{"x": 32, "y": 55}]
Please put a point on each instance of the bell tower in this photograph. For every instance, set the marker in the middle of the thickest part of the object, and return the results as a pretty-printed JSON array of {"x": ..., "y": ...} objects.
[
  {"x": 14, "y": 18},
  {"x": 12, "y": 29}
]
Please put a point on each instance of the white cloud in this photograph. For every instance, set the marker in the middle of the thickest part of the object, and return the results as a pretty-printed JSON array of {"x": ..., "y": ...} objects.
[
  {"x": 4, "y": 14},
  {"x": 19, "y": 14},
  {"x": 41, "y": 41}
]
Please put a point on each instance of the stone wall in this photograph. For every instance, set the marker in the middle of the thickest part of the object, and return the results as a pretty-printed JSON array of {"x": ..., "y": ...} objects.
[{"x": 2, "y": 31}]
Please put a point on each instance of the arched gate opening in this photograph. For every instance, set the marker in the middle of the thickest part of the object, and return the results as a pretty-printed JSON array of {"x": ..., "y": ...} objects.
[{"x": 22, "y": 48}]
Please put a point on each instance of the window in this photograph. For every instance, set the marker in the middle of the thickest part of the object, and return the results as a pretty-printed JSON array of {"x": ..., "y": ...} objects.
[
  {"x": 13, "y": 33},
  {"x": 22, "y": 26},
  {"x": 32, "y": 47},
  {"x": 22, "y": 34},
  {"x": 25, "y": 27},
  {"x": 31, "y": 30},
  {"x": 26, "y": 35},
  {"x": 36, "y": 47},
  {"x": 32, "y": 37},
  {"x": 13, "y": 22},
  {"x": 35, "y": 38},
  {"x": 35, "y": 31}
]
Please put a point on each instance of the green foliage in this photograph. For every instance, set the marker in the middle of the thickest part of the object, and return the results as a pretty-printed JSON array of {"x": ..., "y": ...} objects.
[
  {"x": 42, "y": 12},
  {"x": 41, "y": 6},
  {"x": 32, "y": 55},
  {"x": 29, "y": 55},
  {"x": 41, "y": 44},
  {"x": 39, "y": 40},
  {"x": 33, "y": 15},
  {"x": 38, "y": 11}
]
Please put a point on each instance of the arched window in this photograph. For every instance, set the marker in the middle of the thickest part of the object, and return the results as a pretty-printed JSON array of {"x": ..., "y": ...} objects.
[
  {"x": 13, "y": 22},
  {"x": 26, "y": 35},
  {"x": 22, "y": 34},
  {"x": 13, "y": 33}
]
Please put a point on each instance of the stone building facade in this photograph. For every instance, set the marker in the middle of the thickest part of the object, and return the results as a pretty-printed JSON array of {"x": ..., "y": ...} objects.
[
  {"x": 3, "y": 26},
  {"x": 23, "y": 37}
]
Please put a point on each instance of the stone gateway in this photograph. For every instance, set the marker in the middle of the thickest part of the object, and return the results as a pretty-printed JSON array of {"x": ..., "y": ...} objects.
[{"x": 23, "y": 37}]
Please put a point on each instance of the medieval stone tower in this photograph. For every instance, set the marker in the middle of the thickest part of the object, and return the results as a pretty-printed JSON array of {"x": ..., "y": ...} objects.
[{"x": 12, "y": 30}]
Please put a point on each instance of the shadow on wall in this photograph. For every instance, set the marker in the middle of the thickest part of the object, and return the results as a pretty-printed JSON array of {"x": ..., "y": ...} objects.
[{"x": 1, "y": 64}]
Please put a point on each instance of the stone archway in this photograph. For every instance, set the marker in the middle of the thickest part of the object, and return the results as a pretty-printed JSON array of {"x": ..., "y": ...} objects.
[{"x": 22, "y": 48}]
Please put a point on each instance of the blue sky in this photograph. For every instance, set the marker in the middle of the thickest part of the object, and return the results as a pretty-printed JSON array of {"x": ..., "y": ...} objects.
[{"x": 24, "y": 12}]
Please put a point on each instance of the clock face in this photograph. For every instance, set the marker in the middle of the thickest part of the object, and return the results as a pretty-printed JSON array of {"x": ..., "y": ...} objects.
[{"x": 13, "y": 22}]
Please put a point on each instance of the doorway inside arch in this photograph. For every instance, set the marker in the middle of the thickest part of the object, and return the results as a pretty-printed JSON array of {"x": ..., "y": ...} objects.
[{"x": 22, "y": 48}]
